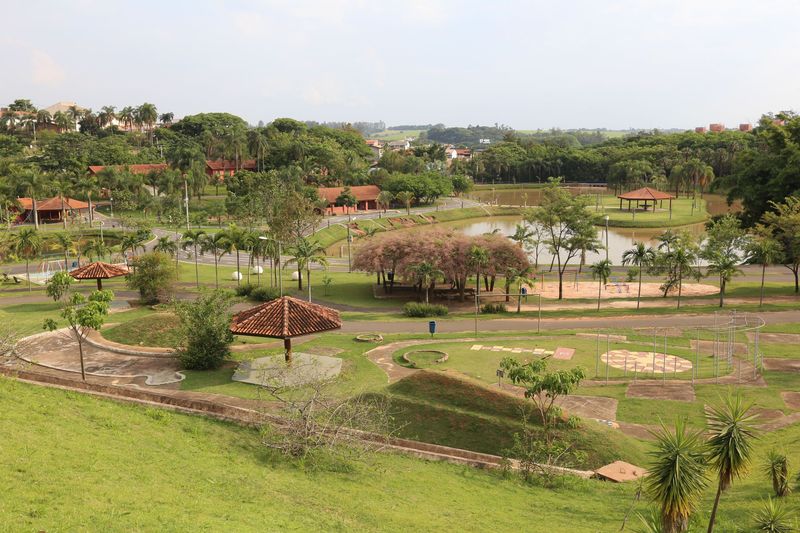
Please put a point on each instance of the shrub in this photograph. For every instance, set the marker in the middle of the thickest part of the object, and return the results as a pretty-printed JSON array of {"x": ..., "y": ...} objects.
[
  {"x": 153, "y": 275},
  {"x": 245, "y": 289},
  {"x": 494, "y": 308},
  {"x": 419, "y": 310},
  {"x": 264, "y": 294},
  {"x": 205, "y": 333}
]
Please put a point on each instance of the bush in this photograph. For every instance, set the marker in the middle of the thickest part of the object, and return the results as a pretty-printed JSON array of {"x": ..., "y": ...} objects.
[
  {"x": 264, "y": 294},
  {"x": 153, "y": 276},
  {"x": 245, "y": 289},
  {"x": 205, "y": 333},
  {"x": 494, "y": 308},
  {"x": 419, "y": 310}
]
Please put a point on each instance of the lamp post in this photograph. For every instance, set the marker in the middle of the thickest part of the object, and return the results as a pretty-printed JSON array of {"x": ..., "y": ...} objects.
[
  {"x": 349, "y": 240},
  {"x": 186, "y": 200},
  {"x": 280, "y": 277},
  {"x": 111, "y": 200},
  {"x": 606, "y": 237}
]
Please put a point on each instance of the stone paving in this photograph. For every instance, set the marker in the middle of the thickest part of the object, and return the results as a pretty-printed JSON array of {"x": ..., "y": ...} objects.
[
  {"x": 273, "y": 370},
  {"x": 535, "y": 351},
  {"x": 645, "y": 362}
]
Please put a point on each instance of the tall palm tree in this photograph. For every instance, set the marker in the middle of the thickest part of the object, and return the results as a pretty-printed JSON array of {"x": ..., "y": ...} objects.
[
  {"x": 726, "y": 266},
  {"x": 237, "y": 238},
  {"x": 640, "y": 256},
  {"x": 87, "y": 185},
  {"x": 518, "y": 276},
  {"x": 62, "y": 121},
  {"x": 676, "y": 475},
  {"x": 166, "y": 118},
  {"x": 127, "y": 115},
  {"x": 681, "y": 258},
  {"x": 219, "y": 245},
  {"x": 66, "y": 242},
  {"x": 43, "y": 117},
  {"x": 478, "y": 258},
  {"x": 384, "y": 199},
  {"x": 193, "y": 239},
  {"x": 426, "y": 274},
  {"x": 33, "y": 183},
  {"x": 106, "y": 115},
  {"x": 730, "y": 445},
  {"x": 305, "y": 252},
  {"x": 601, "y": 271},
  {"x": 27, "y": 243},
  {"x": 407, "y": 198},
  {"x": 764, "y": 251},
  {"x": 148, "y": 115},
  {"x": 96, "y": 248},
  {"x": 166, "y": 245}
]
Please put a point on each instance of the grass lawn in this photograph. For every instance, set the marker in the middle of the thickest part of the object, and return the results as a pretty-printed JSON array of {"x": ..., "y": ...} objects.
[{"x": 682, "y": 213}]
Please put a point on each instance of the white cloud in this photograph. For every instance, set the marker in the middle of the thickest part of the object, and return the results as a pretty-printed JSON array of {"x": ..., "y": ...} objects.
[{"x": 44, "y": 70}]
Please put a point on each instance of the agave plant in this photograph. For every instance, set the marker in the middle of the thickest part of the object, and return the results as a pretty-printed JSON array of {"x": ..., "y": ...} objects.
[
  {"x": 777, "y": 469},
  {"x": 774, "y": 518}
]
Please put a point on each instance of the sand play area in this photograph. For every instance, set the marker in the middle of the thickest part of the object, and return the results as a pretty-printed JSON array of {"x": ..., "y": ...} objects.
[{"x": 588, "y": 289}]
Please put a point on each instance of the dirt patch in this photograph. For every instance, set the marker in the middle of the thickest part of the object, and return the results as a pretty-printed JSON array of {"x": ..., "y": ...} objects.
[
  {"x": 598, "y": 407},
  {"x": 657, "y": 390},
  {"x": 791, "y": 399},
  {"x": 778, "y": 338},
  {"x": 588, "y": 289},
  {"x": 639, "y": 431},
  {"x": 781, "y": 365},
  {"x": 707, "y": 347},
  {"x": 669, "y": 332}
]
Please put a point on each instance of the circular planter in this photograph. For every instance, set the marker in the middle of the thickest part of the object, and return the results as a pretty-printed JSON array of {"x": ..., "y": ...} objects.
[
  {"x": 407, "y": 357},
  {"x": 370, "y": 337}
]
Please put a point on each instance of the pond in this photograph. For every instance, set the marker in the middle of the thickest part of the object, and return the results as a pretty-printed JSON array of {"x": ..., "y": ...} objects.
[
  {"x": 619, "y": 239},
  {"x": 715, "y": 203}
]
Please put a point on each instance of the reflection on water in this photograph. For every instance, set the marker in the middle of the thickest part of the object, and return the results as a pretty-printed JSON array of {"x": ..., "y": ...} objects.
[
  {"x": 715, "y": 203},
  {"x": 619, "y": 239}
]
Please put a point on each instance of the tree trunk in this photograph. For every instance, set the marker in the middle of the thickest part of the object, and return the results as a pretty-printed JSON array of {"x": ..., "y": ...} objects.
[
  {"x": 196, "y": 268},
  {"x": 680, "y": 285},
  {"x": 761, "y": 294},
  {"x": 714, "y": 508},
  {"x": 28, "y": 274},
  {"x": 639, "y": 296},
  {"x": 599, "y": 293},
  {"x": 299, "y": 279},
  {"x": 239, "y": 269},
  {"x": 80, "y": 351},
  {"x": 216, "y": 270}
]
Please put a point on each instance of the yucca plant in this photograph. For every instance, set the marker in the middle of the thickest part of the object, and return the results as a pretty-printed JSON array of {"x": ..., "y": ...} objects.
[
  {"x": 774, "y": 518},
  {"x": 777, "y": 469},
  {"x": 730, "y": 445},
  {"x": 650, "y": 522},
  {"x": 677, "y": 475}
]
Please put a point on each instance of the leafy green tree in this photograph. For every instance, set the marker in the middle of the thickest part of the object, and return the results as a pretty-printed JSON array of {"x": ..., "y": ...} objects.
[
  {"x": 601, "y": 271},
  {"x": 205, "y": 330},
  {"x": 58, "y": 285},
  {"x": 639, "y": 256},
  {"x": 27, "y": 243},
  {"x": 461, "y": 185},
  {"x": 346, "y": 199},
  {"x": 782, "y": 223},
  {"x": 33, "y": 183},
  {"x": 194, "y": 239},
  {"x": 567, "y": 224},
  {"x": 153, "y": 276},
  {"x": 676, "y": 475},
  {"x": 83, "y": 315},
  {"x": 730, "y": 445},
  {"x": 542, "y": 387}
]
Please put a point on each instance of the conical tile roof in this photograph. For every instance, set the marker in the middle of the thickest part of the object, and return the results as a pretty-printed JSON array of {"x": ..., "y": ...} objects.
[
  {"x": 99, "y": 270},
  {"x": 285, "y": 317}
]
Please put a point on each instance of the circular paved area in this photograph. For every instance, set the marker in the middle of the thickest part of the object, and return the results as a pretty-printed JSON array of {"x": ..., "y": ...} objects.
[{"x": 647, "y": 362}]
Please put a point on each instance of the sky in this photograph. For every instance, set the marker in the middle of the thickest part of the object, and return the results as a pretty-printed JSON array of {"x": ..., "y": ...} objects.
[{"x": 613, "y": 64}]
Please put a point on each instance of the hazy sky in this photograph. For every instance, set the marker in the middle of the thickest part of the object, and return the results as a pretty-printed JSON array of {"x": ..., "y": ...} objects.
[{"x": 534, "y": 64}]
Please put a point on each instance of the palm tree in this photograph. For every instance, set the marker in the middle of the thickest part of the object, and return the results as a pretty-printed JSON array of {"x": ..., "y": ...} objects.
[
  {"x": 764, "y": 251},
  {"x": 384, "y": 199},
  {"x": 33, "y": 183},
  {"x": 730, "y": 445},
  {"x": 406, "y": 197},
  {"x": 641, "y": 256},
  {"x": 127, "y": 115},
  {"x": 63, "y": 186},
  {"x": 303, "y": 254},
  {"x": 777, "y": 469},
  {"x": 726, "y": 266},
  {"x": 601, "y": 271},
  {"x": 681, "y": 258},
  {"x": 43, "y": 117},
  {"x": 166, "y": 245},
  {"x": 519, "y": 277},
  {"x": 478, "y": 258},
  {"x": 193, "y": 239},
  {"x": 166, "y": 118},
  {"x": 219, "y": 245},
  {"x": 96, "y": 248},
  {"x": 237, "y": 238},
  {"x": 27, "y": 244},
  {"x": 148, "y": 115},
  {"x": 106, "y": 115},
  {"x": 426, "y": 274},
  {"x": 676, "y": 477},
  {"x": 87, "y": 185},
  {"x": 64, "y": 240},
  {"x": 62, "y": 121},
  {"x": 522, "y": 235}
]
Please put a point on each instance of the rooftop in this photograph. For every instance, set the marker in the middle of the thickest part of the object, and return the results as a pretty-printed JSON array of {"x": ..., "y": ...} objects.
[
  {"x": 363, "y": 193},
  {"x": 645, "y": 193},
  {"x": 285, "y": 317},
  {"x": 99, "y": 270}
]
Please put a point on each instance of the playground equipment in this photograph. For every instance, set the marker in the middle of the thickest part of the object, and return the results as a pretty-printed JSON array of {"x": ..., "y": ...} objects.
[
  {"x": 725, "y": 347},
  {"x": 45, "y": 271}
]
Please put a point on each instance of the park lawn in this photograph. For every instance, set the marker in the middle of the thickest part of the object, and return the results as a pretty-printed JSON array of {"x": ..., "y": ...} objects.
[
  {"x": 27, "y": 319},
  {"x": 150, "y": 469},
  {"x": 154, "y": 329},
  {"x": 682, "y": 213}
]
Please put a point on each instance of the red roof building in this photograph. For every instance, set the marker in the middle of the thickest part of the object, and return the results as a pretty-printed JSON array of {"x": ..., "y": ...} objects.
[
  {"x": 366, "y": 198},
  {"x": 220, "y": 168},
  {"x": 716, "y": 128},
  {"x": 50, "y": 209}
]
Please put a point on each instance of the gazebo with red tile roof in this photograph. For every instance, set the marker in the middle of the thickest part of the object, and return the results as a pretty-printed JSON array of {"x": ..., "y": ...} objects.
[
  {"x": 99, "y": 271},
  {"x": 646, "y": 195},
  {"x": 284, "y": 318}
]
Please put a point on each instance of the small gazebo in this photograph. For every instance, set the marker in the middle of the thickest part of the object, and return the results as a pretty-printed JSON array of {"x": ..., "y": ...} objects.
[
  {"x": 646, "y": 195},
  {"x": 285, "y": 318},
  {"x": 99, "y": 271}
]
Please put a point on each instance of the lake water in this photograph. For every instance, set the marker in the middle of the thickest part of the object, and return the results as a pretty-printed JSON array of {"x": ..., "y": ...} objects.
[{"x": 619, "y": 239}]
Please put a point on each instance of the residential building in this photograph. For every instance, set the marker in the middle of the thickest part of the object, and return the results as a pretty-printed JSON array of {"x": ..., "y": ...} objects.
[
  {"x": 221, "y": 168},
  {"x": 745, "y": 127},
  {"x": 400, "y": 145},
  {"x": 366, "y": 199},
  {"x": 701, "y": 129},
  {"x": 716, "y": 127},
  {"x": 376, "y": 146}
]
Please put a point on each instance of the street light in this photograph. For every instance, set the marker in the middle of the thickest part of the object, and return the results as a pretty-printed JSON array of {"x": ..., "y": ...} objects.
[
  {"x": 349, "y": 240},
  {"x": 101, "y": 228},
  {"x": 111, "y": 200},
  {"x": 606, "y": 217},
  {"x": 280, "y": 280}
]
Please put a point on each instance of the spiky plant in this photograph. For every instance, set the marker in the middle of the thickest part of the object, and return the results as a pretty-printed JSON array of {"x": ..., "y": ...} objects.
[
  {"x": 777, "y": 469},
  {"x": 677, "y": 475},
  {"x": 731, "y": 444},
  {"x": 773, "y": 518}
]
